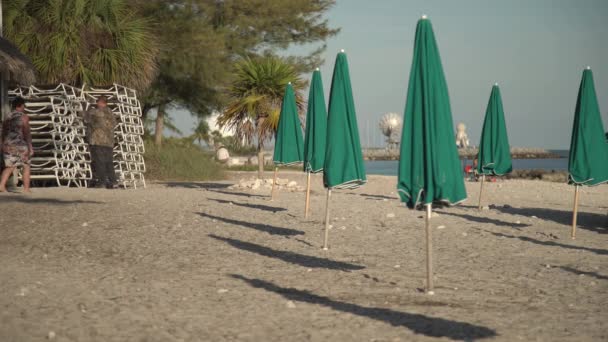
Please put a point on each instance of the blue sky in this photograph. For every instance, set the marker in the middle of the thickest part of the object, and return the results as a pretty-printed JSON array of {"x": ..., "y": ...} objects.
[{"x": 536, "y": 51}]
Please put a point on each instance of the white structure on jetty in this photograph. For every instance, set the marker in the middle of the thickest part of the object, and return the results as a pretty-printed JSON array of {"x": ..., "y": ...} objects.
[
  {"x": 390, "y": 125},
  {"x": 462, "y": 138}
]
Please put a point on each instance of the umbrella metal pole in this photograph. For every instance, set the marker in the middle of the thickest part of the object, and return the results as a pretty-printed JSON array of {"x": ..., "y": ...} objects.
[
  {"x": 429, "y": 251},
  {"x": 575, "y": 212},
  {"x": 274, "y": 182},
  {"x": 327, "y": 220},
  {"x": 307, "y": 196},
  {"x": 483, "y": 178}
]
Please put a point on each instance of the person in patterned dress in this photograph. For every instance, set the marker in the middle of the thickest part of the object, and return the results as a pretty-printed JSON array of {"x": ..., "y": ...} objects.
[{"x": 16, "y": 145}]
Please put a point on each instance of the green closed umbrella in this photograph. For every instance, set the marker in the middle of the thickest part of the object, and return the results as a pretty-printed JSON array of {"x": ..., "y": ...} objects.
[
  {"x": 316, "y": 132},
  {"x": 588, "y": 162},
  {"x": 429, "y": 167},
  {"x": 494, "y": 156},
  {"x": 288, "y": 147},
  {"x": 343, "y": 167}
]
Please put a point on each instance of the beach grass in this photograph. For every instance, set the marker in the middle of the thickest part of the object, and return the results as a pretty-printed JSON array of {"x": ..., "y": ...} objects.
[
  {"x": 267, "y": 167},
  {"x": 179, "y": 162}
]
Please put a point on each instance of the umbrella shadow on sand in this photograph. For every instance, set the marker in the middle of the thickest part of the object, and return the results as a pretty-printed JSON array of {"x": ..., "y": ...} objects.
[
  {"x": 272, "y": 230},
  {"x": 589, "y": 221},
  {"x": 249, "y": 205},
  {"x": 419, "y": 324},
  {"x": 485, "y": 220},
  {"x": 290, "y": 257},
  {"x": 550, "y": 243},
  {"x": 379, "y": 197},
  {"x": 579, "y": 272},
  {"x": 234, "y": 193}
]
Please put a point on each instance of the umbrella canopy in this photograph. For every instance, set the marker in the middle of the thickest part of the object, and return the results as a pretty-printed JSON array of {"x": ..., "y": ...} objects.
[
  {"x": 429, "y": 166},
  {"x": 316, "y": 126},
  {"x": 14, "y": 66},
  {"x": 494, "y": 151},
  {"x": 588, "y": 163},
  {"x": 343, "y": 167},
  {"x": 288, "y": 148}
]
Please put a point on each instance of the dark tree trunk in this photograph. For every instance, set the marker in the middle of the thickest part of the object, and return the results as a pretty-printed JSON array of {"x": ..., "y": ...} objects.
[
  {"x": 160, "y": 122},
  {"x": 260, "y": 161}
]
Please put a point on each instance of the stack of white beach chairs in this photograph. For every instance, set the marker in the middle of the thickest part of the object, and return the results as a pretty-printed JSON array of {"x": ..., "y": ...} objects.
[{"x": 58, "y": 133}]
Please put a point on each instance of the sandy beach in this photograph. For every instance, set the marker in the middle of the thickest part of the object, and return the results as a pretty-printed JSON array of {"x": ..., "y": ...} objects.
[{"x": 202, "y": 262}]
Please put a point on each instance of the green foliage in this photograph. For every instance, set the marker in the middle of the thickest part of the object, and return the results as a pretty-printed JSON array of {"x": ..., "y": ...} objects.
[
  {"x": 180, "y": 160},
  {"x": 201, "y": 39},
  {"x": 83, "y": 41},
  {"x": 193, "y": 61},
  {"x": 261, "y": 27},
  {"x": 256, "y": 95}
]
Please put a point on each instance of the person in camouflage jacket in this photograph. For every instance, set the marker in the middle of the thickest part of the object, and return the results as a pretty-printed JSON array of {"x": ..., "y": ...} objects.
[{"x": 100, "y": 124}]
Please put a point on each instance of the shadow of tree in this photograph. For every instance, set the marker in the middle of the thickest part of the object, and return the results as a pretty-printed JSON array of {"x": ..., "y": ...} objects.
[
  {"x": 419, "y": 324},
  {"x": 590, "y": 221},
  {"x": 249, "y": 205},
  {"x": 272, "y": 230},
  {"x": 51, "y": 201},
  {"x": 198, "y": 185},
  {"x": 579, "y": 272},
  {"x": 485, "y": 220},
  {"x": 290, "y": 257},
  {"x": 550, "y": 243}
]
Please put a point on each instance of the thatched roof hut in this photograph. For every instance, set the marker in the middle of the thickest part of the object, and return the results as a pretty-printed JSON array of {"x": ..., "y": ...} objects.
[{"x": 15, "y": 66}]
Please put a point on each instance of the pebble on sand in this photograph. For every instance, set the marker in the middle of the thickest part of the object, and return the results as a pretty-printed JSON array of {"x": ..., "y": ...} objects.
[
  {"x": 441, "y": 227},
  {"x": 390, "y": 215},
  {"x": 220, "y": 291},
  {"x": 290, "y": 304},
  {"x": 85, "y": 224},
  {"x": 51, "y": 335}
]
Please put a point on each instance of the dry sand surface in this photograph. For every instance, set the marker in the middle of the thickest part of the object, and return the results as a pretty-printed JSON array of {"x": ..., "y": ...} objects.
[{"x": 201, "y": 262}]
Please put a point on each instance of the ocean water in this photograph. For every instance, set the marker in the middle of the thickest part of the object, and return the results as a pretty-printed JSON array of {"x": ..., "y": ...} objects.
[{"x": 390, "y": 167}]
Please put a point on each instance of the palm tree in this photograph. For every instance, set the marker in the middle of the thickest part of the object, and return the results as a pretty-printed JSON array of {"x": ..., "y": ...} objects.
[
  {"x": 83, "y": 41},
  {"x": 255, "y": 100},
  {"x": 202, "y": 133}
]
